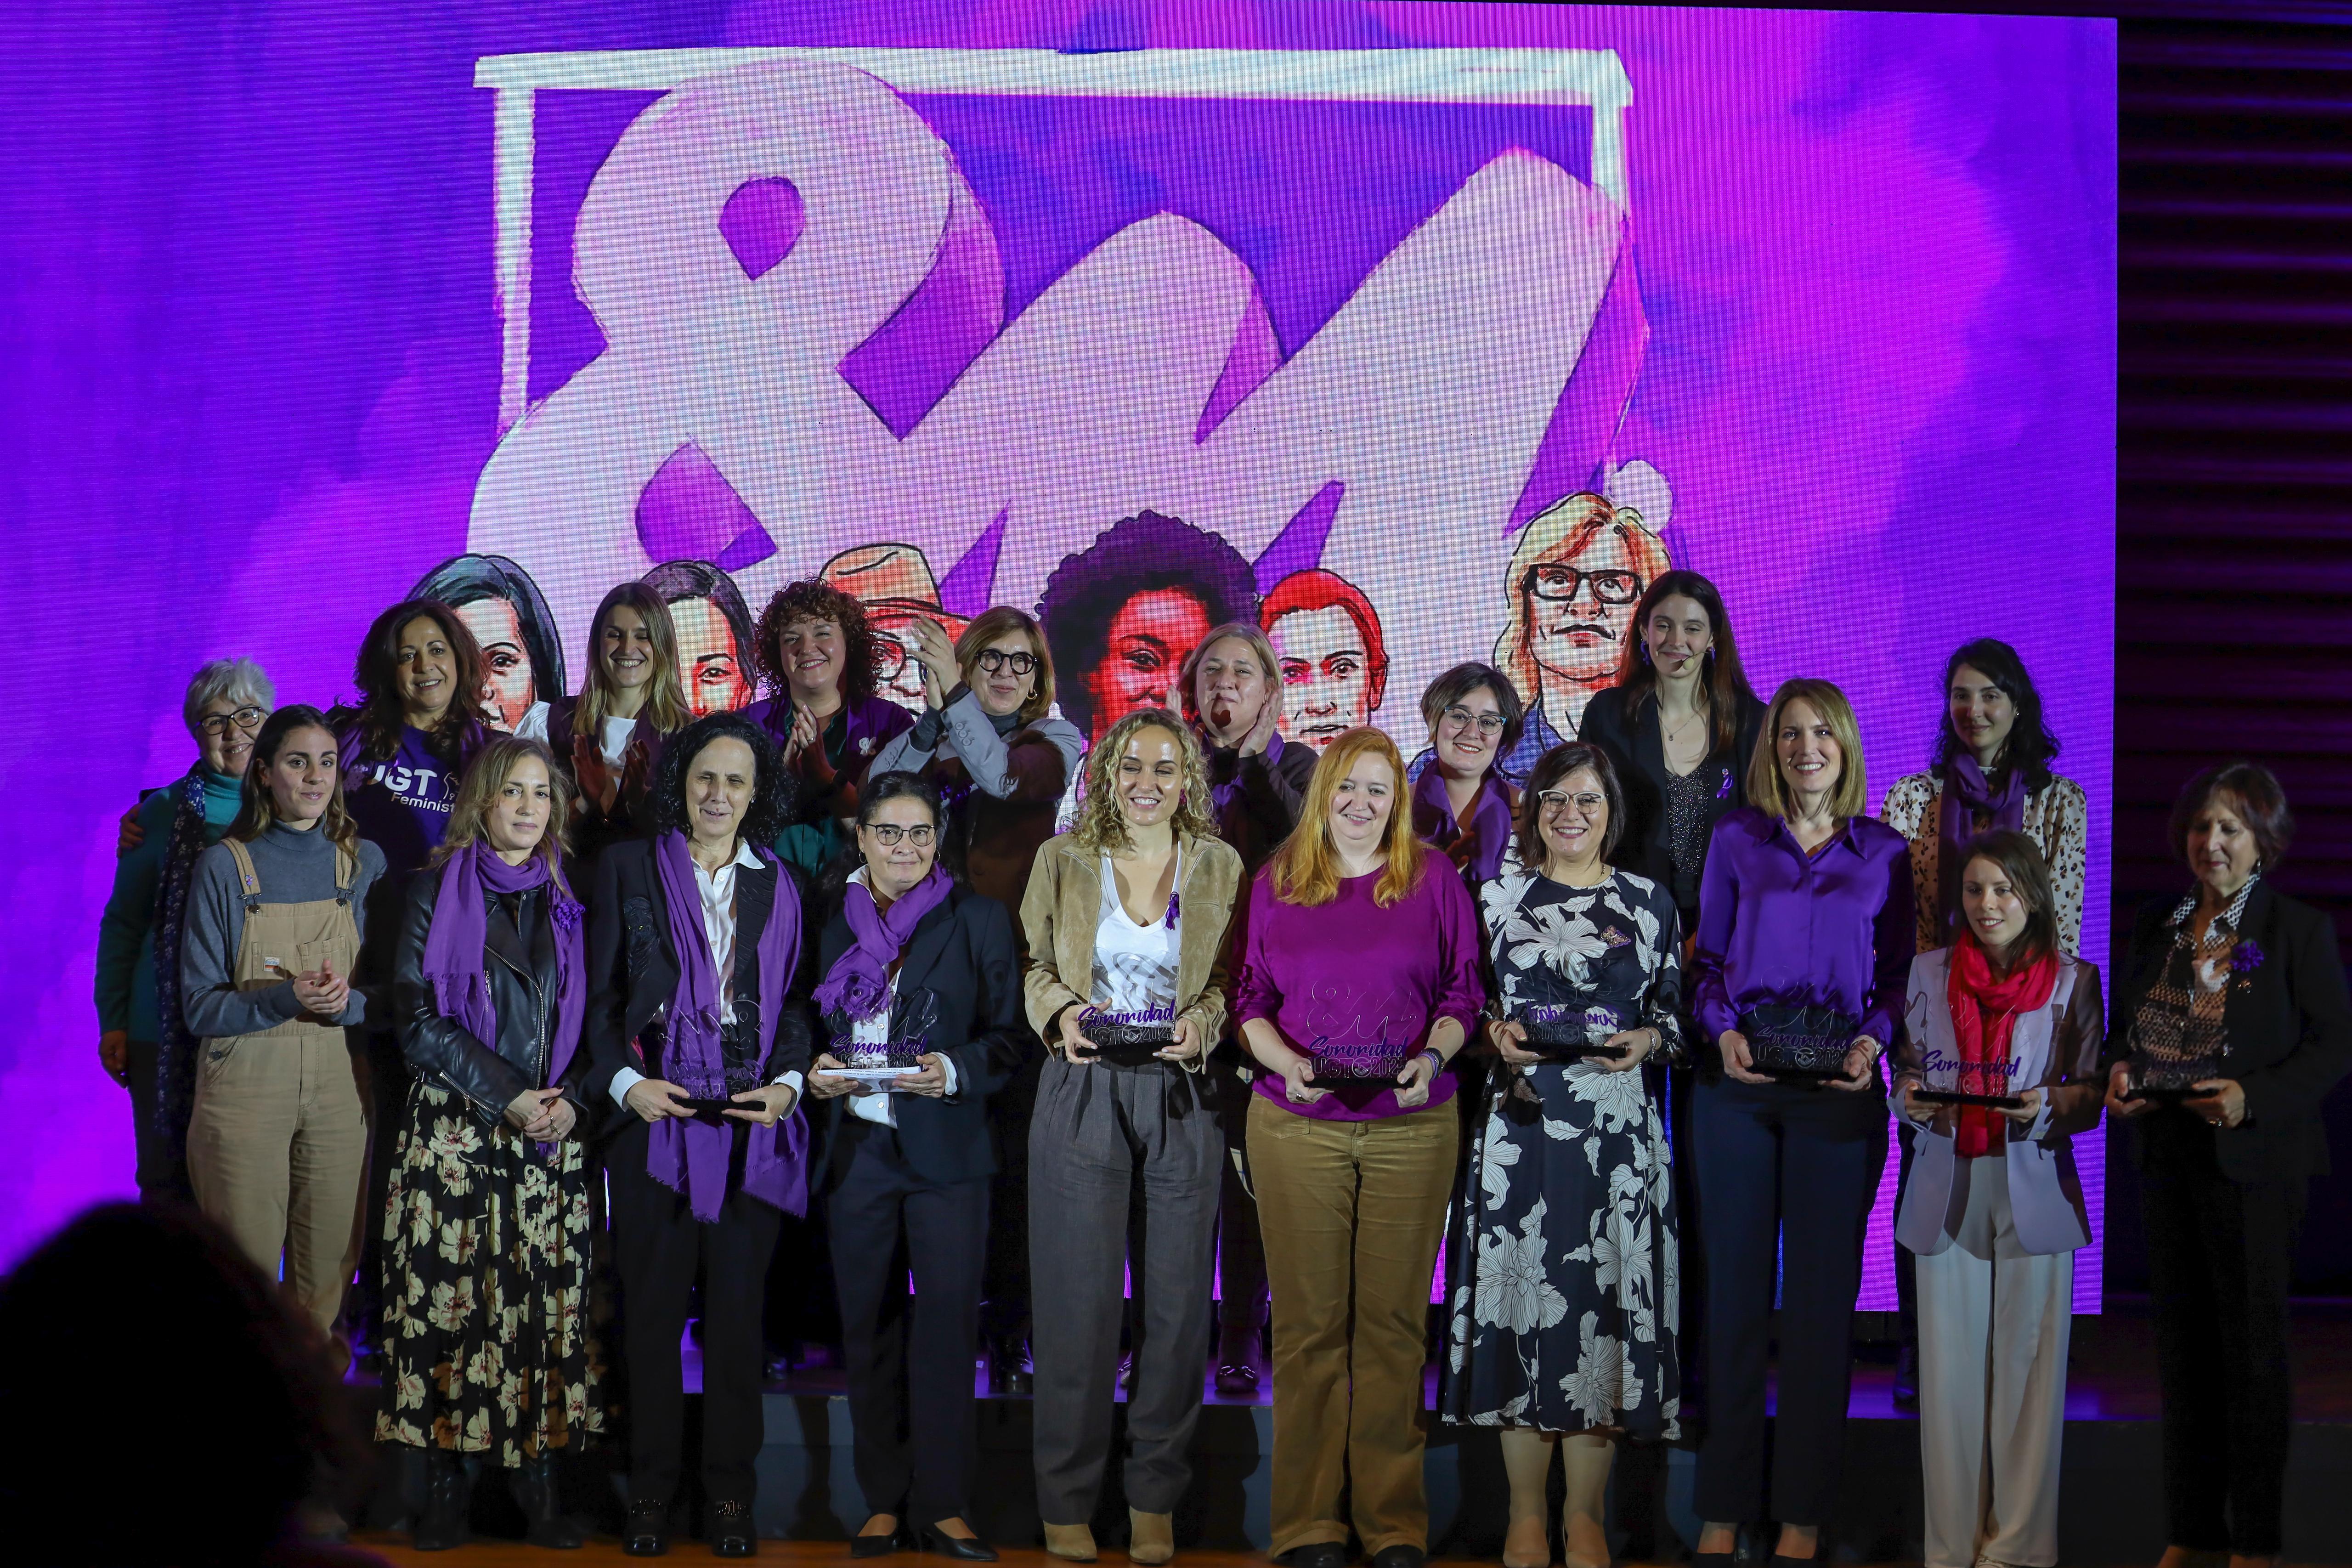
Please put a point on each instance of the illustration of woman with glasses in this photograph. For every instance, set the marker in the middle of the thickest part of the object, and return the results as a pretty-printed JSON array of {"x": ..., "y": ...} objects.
[
  {"x": 1574, "y": 580},
  {"x": 1461, "y": 804}
]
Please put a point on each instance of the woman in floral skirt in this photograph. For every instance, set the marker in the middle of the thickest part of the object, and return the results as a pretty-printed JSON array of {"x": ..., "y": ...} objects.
[
  {"x": 1563, "y": 1296},
  {"x": 489, "y": 1349}
]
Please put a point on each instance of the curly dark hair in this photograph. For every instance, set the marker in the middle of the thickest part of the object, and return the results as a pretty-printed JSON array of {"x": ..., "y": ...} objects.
[
  {"x": 811, "y": 599},
  {"x": 772, "y": 787},
  {"x": 1135, "y": 555},
  {"x": 378, "y": 714},
  {"x": 2030, "y": 745}
]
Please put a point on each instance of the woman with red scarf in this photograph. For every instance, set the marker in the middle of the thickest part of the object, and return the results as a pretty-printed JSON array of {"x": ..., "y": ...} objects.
[{"x": 1996, "y": 1069}]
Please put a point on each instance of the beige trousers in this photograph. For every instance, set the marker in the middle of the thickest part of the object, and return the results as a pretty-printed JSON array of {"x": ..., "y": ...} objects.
[
  {"x": 1994, "y": 1320},
  {"x": 1352, "y": 1213}
]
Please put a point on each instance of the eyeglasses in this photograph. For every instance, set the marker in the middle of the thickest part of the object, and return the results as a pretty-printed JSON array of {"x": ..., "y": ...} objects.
[
  {"x": 996, "y": 660},
  {"x": 1611, "y": 586},
  {"x": 246, "y": 718},
  {"x": 1586, "y": 804},
  {"x": 1461, "y": 718},
  {"x": 890, "y": 658},
  {"x": 889, "y": 834}
]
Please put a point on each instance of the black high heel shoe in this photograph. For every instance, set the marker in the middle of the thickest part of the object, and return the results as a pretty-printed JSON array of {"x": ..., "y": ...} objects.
[
  {"x": 730, "y": 1532},
  {"x": 881, "y": 1546},
  {"x": 646, "y": 1533},
  {"x": 971, "y": 1549}
]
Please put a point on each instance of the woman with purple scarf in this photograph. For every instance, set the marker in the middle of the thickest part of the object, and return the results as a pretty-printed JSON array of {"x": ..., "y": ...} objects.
[
  {"x": 1990, "y": 769},
  {"x": 1460, "y": 804},
  {"x": 918, "y": 1014},
  {"x": 486, "y": 1230},
  {"x": 699, "y": 1045}
]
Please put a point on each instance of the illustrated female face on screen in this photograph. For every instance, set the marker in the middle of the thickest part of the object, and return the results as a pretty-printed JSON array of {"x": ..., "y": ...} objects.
[
  {"x": 1150, "y": 637},
  {"x": 508, "y": 687},
  {"x": 1327, "y": 675},
  {"x": 1579, "y": 609},
  {"x": 709, "y": 662}
]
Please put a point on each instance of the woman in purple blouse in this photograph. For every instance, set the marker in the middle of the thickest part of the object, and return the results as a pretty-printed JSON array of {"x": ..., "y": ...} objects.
[
  {"x": 1360, "y": 982},
  {"x": 1805, "y": 940}
]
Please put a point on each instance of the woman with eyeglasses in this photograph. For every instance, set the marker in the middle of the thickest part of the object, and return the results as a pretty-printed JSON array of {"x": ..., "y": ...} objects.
[
  {"x": 1578, "y": 569},
  {"x": 819, "y": 660},
  {"x": 1125, "y": 916},
  {"x": 1360, "y": 984},
  {"x": 1461, "y": 804},
  {"x": 1681, "y": 729},
  {"x": 920, "y": 1000},
  {"x": 144, "y": 1042},
  {"x": 1564, "y": 1298},
  {"x": 1804, "y": 941},
  {"x": 1000, "y": 758},
  {"x": 1233, "y": 696}
]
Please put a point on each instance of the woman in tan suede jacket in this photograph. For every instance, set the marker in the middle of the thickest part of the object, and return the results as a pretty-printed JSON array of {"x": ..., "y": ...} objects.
[{"x": 1126, "y": 919}]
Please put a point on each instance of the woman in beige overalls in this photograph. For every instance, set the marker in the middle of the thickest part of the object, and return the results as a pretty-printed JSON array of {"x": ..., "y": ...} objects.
[{"x": 277, "y": 1141}]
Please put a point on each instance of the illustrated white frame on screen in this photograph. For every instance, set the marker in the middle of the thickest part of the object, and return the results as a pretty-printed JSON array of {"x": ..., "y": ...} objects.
[{"x": 1592, "y": 78}]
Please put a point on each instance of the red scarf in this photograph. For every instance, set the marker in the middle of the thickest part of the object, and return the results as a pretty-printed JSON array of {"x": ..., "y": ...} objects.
[{"x": 1971, "y": 993}]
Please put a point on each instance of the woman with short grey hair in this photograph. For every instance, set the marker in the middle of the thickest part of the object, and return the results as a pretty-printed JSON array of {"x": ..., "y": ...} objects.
[{"x": 141, "y": 1042}]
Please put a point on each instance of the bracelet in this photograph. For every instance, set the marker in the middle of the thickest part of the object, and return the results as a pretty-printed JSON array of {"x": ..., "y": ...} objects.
[{"x": 1436, "y": 1058}]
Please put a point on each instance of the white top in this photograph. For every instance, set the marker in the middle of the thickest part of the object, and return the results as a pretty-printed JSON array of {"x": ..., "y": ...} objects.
[
  {"x": 718, "y": 891},
  {"x": 616, "y": 739},
  {"x": 533, "y": 726},
  {"x": 1135, "y": 964}
]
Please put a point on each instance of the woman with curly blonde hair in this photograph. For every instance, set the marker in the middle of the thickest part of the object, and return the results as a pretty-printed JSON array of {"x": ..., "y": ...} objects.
[
  {"x": 1358, "y": 984},
  {"x": 1126, "y": 919},
  {"x": 488, "y": 1221}
]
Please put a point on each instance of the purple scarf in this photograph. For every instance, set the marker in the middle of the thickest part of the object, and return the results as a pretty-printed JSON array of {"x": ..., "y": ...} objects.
[
  {"x": 453, "y": 960},
  {"x": 858, "y": 983},
  {"x": 1490, "y": 820},
  {"x": 1966, "y": 797},
  {"x": 690, "y": 1154}
]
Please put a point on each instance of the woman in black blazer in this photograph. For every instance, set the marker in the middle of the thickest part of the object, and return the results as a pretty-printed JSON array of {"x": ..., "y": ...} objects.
[
  {"x": 1681, "y": 730},
  {"x": 2230, "y": 1023},
  {"x": 918, "y": 1022},
  {"x": 700, "y": 1045}
]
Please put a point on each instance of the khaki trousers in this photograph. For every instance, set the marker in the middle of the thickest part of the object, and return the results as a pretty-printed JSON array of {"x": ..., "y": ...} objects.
[
  {"x": 278, "y": 1154},
  {"x": 1352, "y": 1213}
]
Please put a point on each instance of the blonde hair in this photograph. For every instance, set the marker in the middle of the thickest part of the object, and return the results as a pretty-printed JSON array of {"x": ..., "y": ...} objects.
[
  {"x": 1101, "y": 829},
  {"x": 666, "y": 703},
  {"x": 1560, "y": 532},
  {"x": 1306, "y": 869},
  {"x": 1770, "y": 792},
  {"x": 992, "y": 624},
  {"x": 478, "y": 791},
  {"x": 1261, "y": 648}
]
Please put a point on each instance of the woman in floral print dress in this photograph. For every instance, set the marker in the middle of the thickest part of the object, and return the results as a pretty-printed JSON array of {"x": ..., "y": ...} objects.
[
  {"x": 487, "y": 1230},
  {"x": 1563, "y": 1289}
]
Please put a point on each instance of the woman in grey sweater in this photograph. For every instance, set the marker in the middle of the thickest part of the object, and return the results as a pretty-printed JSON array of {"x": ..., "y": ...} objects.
[{"x": 278, "y": 1142}]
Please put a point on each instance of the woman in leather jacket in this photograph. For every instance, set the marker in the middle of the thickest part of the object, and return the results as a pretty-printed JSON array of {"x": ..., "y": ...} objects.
[{"x": 486, "y": 1233}]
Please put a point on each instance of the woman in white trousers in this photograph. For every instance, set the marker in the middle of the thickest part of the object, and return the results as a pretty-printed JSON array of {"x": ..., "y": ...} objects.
[{"x": 2011, "y": 1025}]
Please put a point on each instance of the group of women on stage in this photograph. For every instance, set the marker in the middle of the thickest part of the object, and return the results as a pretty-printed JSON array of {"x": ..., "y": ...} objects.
[{"x": 798, "y": 953}]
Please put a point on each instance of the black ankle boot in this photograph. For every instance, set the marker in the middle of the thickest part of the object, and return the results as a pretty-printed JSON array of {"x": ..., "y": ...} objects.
[
  {"x": 441, "y": 1523},
  {"x": 537, "y": 1489}
]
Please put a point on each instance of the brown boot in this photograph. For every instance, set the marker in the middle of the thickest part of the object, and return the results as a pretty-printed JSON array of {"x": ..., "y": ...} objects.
[{"x": 1151, "y": 1537}]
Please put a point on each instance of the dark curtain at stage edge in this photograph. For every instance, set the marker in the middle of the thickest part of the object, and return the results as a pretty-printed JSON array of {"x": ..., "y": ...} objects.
[{"x": 2234, "y": 483}]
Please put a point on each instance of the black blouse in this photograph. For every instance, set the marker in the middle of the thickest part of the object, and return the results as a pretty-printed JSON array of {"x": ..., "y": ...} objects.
[{"x": 1634, "y": 744}]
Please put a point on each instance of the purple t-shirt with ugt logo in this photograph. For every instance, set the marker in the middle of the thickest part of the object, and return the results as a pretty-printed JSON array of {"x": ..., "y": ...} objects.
[
  {"x": 1357, "y": 986},
  {"x": 402, "y": 804}
]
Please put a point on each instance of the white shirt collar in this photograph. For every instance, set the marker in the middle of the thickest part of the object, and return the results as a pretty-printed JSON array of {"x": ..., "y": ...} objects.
[{"x": 744, "y": 856}]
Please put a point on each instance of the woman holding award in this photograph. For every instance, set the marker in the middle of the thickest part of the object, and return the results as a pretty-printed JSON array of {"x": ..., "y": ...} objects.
[
  {"x": 2232, "y": 1024},
  {"x": 1125, "y": 916},
  {"x": 1805, "y": 934},
  {"x": 1359, "y": 983},
  {"x": 918, "y": 1020},
  {"x": 1996, "y": 1069},
  {"x": 1561, "y": 1352}
]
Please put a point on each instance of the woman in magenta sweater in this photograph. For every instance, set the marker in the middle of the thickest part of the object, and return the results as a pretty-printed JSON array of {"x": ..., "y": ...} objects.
[{"x": 1359, "y": 983}]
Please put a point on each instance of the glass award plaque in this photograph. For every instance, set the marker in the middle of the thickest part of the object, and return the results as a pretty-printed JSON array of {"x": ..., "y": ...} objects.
[
  {"x": 1568, "y": 1030},
  {"x": 1130, "y": 1036},
  {"x": 1798, "y": 1044}
]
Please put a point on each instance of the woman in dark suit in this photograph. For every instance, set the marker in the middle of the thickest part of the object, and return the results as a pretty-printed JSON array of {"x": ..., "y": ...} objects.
[
  {"x": 2239, "y": 990},
  {"x": 697, "y": 1040},
  {"x": 920, "y": 975}
]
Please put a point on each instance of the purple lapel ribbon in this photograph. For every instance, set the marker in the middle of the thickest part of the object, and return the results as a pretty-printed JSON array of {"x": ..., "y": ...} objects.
[
  {"x": 456, "y": 959},
  {"x": 690, "y": 1154},
  {"x": 1966, "y": 797},
  {"x": 857, "y": 986}
]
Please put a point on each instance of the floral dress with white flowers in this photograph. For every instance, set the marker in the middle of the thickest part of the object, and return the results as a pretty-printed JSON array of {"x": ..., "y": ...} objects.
[{"x": 1564, "y": 1277}]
